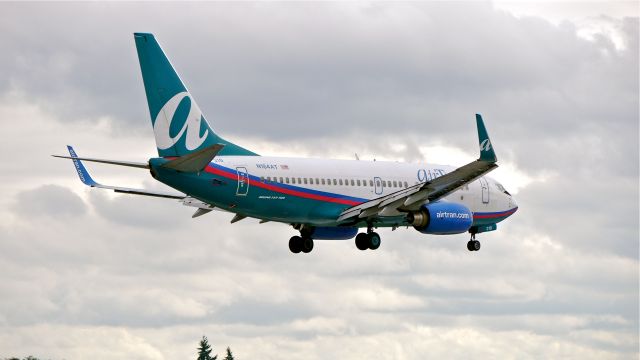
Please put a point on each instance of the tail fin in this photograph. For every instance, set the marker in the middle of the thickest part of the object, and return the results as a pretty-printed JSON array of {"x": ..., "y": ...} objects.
[
  {"x": 486, "y": 148},
  {"x": 178, "y": 124}
]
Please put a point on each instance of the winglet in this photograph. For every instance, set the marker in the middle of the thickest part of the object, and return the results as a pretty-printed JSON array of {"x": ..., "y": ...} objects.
[
  {"x": 83, "y": 174},
  {"x": 486, "y": 148}
]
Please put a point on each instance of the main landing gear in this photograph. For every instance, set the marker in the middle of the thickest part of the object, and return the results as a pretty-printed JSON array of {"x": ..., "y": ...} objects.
[
  {"x": 473, "y": 244},
  {"x": 369, "y": 240},
  {"x": 299, "y": 243}
]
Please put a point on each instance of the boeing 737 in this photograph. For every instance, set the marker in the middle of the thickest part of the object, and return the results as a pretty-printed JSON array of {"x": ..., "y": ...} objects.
[{"x": 320, "y": 198}]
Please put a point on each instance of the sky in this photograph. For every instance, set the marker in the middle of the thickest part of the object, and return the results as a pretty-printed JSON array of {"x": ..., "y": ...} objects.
[{"x": 92, "y": 274}]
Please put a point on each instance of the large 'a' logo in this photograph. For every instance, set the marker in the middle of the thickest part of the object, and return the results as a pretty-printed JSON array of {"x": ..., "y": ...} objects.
[
  {"x": 485, "y": 145},
  {"x": 191, "y": 127}
]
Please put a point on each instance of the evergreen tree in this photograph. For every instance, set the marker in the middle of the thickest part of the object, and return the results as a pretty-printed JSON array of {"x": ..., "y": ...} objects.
[
  {"x": 229, "y": 355},
  {"x": 204, "y": 351}
]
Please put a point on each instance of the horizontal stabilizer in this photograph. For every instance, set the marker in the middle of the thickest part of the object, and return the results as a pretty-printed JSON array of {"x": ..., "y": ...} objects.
[
  {"x": 195, "y": 161},
  {"x": 106, "y": 161}
]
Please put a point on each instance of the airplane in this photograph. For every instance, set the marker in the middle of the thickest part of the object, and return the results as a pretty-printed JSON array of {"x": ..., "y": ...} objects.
[{"x": 322, "y": 199}]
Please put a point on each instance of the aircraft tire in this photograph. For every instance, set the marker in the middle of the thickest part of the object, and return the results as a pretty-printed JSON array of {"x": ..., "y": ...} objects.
[
  {"x": 476, "y": 245},
  {"x": 295, "y": 244},
  {"x": 473, "y": 245},
  {"x": 374, "y": 240},
  {"x": 362, "y": 241},
  {"x": 307, "y": 245}
]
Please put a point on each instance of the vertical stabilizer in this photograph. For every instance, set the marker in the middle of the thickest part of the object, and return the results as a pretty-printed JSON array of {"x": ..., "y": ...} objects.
[
  {"x": 178, "y": 124},
  {"x": 486, "y": 148}
]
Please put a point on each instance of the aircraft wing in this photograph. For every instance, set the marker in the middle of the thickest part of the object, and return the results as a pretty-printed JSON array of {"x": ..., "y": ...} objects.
[
  {"x": 201, "y": 206},
  {"x": 412, "y": 198},
  {"x": 84, "y": 176}
]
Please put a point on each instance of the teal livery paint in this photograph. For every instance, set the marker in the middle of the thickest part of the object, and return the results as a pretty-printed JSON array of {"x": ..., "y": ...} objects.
[{"x": 178, "y": 123}]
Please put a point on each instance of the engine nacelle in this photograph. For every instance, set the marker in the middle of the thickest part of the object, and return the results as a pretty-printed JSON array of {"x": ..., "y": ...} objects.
[
  {"x": 441, "y": 218},
  {"x": 334, "y": 233}
]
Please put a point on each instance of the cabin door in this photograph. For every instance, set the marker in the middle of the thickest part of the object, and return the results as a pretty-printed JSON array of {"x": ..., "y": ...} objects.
[
  {"x": 243, "y": 181},
  {"x": 485, "y": 190}
]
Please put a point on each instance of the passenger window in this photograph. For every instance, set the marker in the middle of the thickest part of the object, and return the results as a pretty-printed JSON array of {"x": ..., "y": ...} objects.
[
  {"x": 322, "y": 181},
  {"x": 286, "y": 179},
  {"x": 358, "y": 182},
  {"x": 305, "y": 181},
  {"x": 335, "y": 182},
  {"x": 317, "y": 181},
  {"x": 293, "y": 180},
  {"x": 371, "y": 183},
  {"x": 281, "y": 182},
  {"x": 353, "y": 183},
  {"x": 340, "y": 182},
  {"x": 406, "y": 185},
  {"x": 261, "y": 179}
]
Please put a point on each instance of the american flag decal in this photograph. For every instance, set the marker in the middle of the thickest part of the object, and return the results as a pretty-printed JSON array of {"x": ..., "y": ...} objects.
[{"x": 284, "y": 167}]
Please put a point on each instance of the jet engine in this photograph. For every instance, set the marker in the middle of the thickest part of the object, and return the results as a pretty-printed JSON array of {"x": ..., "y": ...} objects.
[{"x": 441, "y": 218}]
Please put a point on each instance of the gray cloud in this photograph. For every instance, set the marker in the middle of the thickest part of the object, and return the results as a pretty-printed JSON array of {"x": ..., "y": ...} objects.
[{"x": 49, "y": 200}]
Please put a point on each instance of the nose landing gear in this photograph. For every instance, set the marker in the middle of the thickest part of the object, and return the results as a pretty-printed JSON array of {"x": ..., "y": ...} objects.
[{"x": 473, "y": 244}]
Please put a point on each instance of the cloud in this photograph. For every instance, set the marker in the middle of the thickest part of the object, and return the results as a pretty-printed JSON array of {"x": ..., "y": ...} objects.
[
  {"x": 49, "y": 200},
  {"x": 386, "y": 81}
]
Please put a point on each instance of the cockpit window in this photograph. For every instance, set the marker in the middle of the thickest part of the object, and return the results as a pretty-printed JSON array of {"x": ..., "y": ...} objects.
[{"x": 502, "y": 189}]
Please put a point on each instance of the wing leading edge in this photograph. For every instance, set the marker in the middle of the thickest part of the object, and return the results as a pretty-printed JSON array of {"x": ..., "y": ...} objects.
[{"x": 413, "y": 197}]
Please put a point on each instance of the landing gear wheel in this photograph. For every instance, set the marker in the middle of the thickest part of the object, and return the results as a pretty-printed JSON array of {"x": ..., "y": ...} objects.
[
  {"x": 307, "y": 245},
  {"x": 295, "y": 244},
  {"x": 476, "y": 245},
  {"x": 473, "y": 245},
  {"x": 362, "y": 241},
  {"x": 374, "y": 240}
]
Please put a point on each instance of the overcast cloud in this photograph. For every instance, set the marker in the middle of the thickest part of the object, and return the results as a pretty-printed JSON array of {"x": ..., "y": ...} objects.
[{"x": 91, "y": 274}]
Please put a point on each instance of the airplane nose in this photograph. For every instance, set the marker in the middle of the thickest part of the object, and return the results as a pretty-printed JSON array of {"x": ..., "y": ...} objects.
[{"x": 512, "y": 202}]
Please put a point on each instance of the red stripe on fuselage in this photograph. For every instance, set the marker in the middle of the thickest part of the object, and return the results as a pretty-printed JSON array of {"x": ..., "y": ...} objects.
[
  {"x": 234, "y": 176},
  {"x": 494, "y": 215}
]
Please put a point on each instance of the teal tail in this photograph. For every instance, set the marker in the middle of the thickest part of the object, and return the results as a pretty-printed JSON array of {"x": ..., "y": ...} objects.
[{"x": 178, "y": 124}]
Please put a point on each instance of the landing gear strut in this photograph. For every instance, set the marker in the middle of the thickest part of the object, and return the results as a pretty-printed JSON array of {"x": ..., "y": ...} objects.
[
  {"x": 473, "y": 244},
  {"x": 298, "y": 244},
  {"x": 369, "y": 240}
]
